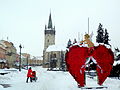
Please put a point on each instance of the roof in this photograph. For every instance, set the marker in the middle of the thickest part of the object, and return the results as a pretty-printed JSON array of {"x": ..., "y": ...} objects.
[
  {"x": 2, "y": 42},
  {"x": 50, "y": 22},
  {"x": 56, "y": 48}
]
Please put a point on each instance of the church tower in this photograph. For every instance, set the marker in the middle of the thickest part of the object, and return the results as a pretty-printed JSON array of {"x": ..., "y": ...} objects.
[
  {"x": 49, "y": 38},
  {"x": 49, "y": 34}
]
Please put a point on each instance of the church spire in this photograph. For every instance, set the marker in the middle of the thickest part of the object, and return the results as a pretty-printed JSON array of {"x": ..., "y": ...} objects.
[{"x": 50, "y": 21}]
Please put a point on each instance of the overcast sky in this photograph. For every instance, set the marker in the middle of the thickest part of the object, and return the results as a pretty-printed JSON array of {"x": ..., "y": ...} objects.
[{"x": 23, "y": 21}]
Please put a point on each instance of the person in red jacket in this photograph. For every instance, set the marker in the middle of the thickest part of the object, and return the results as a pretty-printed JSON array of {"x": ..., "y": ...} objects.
[{"x": 29, "y": 75}]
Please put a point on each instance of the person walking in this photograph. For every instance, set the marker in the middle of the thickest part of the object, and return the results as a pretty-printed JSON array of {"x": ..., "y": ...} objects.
[{"x": 29, "y": 75}]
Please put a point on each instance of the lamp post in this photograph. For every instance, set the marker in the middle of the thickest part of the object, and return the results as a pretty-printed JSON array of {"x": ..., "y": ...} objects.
[{"x": 20, "y": 58}]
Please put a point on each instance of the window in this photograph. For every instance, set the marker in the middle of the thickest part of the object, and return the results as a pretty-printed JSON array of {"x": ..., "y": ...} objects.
[{"x": 54, "y": 55}]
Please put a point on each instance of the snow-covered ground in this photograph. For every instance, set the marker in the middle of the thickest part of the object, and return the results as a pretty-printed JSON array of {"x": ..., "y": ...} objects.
[{"x": 50, "y": 80}]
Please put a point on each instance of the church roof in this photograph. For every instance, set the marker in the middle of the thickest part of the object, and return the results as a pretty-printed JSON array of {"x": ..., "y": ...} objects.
[
  {"x": 56, "y": 48},
  {"x": 50, "y": 22}
]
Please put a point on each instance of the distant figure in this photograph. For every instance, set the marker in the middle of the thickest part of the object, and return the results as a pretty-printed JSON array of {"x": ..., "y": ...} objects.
[
  {"x": 34, "y": 76},
  {"x": 29, "y": 75}
]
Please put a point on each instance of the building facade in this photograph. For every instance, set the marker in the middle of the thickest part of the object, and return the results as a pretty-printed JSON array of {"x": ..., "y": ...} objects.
[
  {"x": 10, "y": 53},
  {"x": 35, "y": 61}
]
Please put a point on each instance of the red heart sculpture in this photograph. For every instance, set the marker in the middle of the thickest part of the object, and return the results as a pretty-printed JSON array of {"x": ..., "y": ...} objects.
[{"x": 76, "y": 58}]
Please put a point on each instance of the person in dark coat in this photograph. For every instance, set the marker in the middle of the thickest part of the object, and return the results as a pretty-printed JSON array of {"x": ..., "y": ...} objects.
[{"x": 29, "y": 75}]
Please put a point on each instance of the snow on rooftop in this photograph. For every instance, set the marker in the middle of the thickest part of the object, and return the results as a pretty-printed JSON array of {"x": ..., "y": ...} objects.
[
  {"x": 39, "y": 57},
  {"x": 56, "y": 48},
  {"x": 36, "y": 57},
  {"x": 2, "y": 43}
]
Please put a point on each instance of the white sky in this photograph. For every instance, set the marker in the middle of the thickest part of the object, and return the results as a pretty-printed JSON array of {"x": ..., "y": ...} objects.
[{"x": 23, "y": 21}]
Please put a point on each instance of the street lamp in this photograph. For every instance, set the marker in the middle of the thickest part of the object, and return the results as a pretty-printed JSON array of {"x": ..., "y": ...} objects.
[{"x": 20, "y": 58}]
